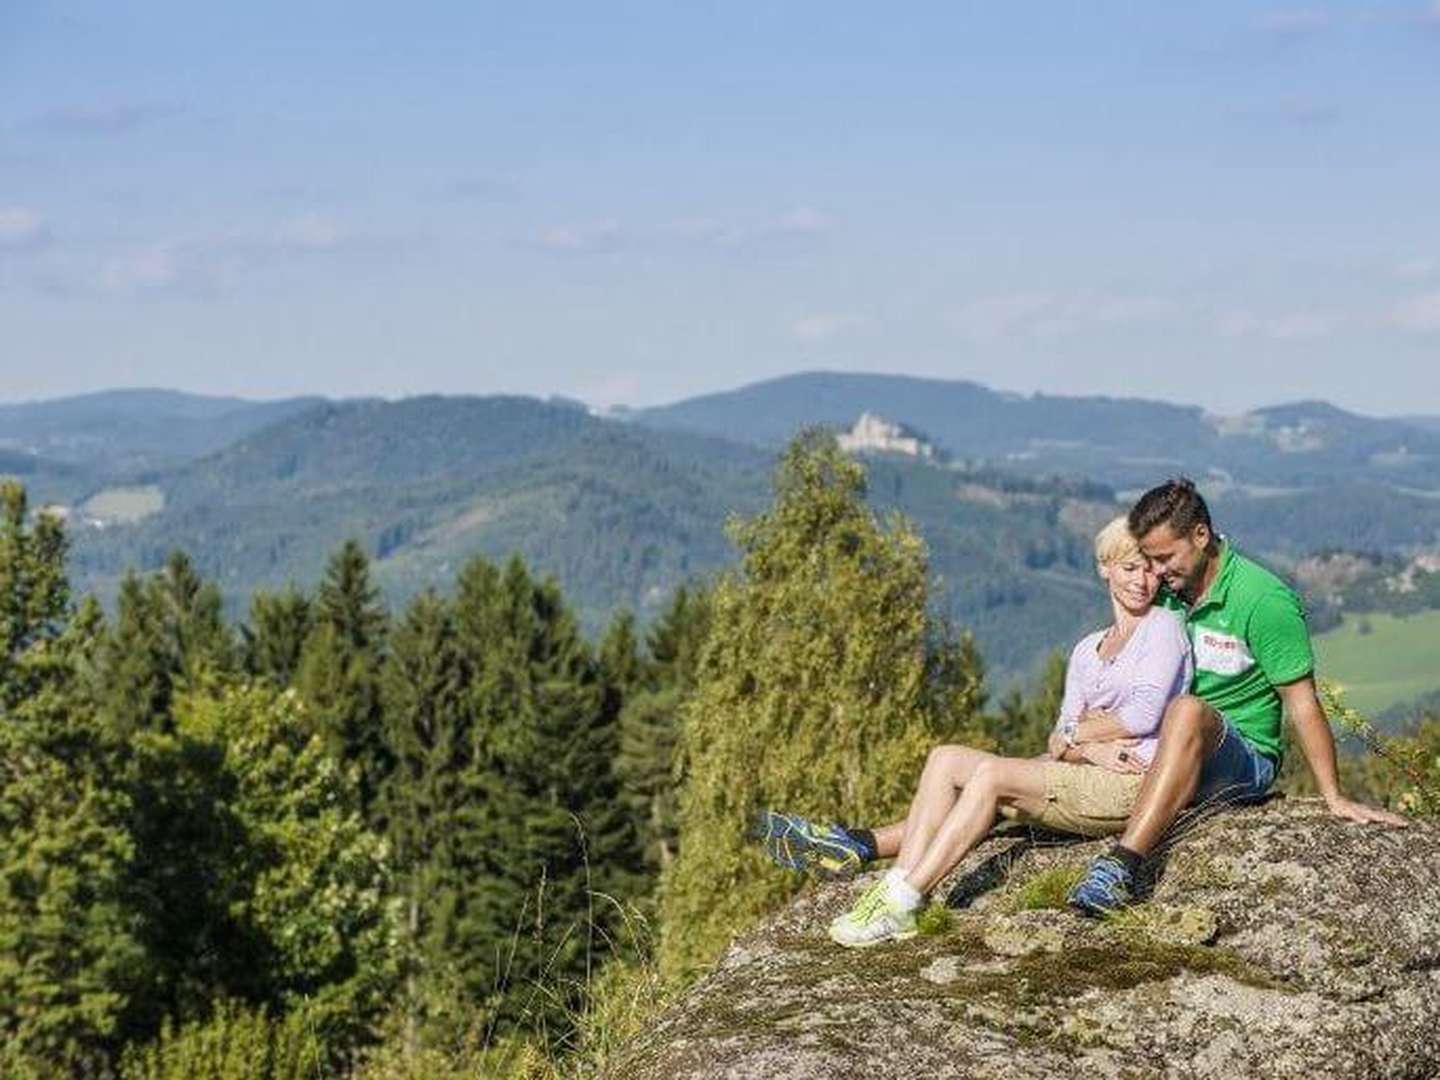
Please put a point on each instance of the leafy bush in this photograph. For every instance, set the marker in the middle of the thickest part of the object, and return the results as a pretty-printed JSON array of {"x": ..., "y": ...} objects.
[{"x": 233, "y": 1043}]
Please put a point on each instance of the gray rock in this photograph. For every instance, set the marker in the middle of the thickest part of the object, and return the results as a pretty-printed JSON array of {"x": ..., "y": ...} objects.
[{"x": 1277, "y": 942}]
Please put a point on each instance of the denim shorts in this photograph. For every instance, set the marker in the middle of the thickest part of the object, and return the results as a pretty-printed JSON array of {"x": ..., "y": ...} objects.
[{"x": 1235, "y": 772}]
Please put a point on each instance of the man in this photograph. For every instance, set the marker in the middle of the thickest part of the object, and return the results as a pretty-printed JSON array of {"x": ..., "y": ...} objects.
[{"x": 1253, "y": 663}]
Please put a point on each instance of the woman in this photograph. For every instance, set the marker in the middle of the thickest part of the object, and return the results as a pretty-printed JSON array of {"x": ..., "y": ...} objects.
[{"x": 1117, "y": 685}]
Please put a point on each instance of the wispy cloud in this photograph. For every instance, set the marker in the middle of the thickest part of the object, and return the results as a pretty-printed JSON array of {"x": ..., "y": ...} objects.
[
  {"x": 203, "y": 266},
  {"x": 1419, "y": 313},
  {"x": 481, "y": 189},
  {"x": 1310, "y": 114},
  {"x": 1417, "y": 269},
  {"x": 310, "y": 232},
  {"x": 156, "y": 270},
  {"x": 109, "y": 119},
  {"x": 800, "y": 225},
  {"x": 603, "y": 235},
  {"x": 1282, "y": 326},
  {"x": 824, "y": 326},
  {"x": 803, "y": 221},
  {"x": 1047, "y": 315},
  {"x": 1295, "y": 24},
  {"x": 22, "y": 229}
]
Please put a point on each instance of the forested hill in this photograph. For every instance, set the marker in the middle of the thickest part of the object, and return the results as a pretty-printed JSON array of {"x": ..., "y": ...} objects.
[
  {"x": 620, "y": 514},
  {"x": 119, "y": 430},
  {"x": 1119, "y": 441}
]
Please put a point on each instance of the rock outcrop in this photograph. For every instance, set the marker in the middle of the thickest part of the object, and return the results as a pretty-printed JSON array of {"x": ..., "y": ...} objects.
[{"x": 1276, "y": 941}]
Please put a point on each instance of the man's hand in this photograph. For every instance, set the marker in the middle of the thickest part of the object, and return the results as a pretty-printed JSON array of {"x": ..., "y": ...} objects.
[
  {"x": 1351, "y": 810},
  {"x": 1117, "y": 755},
  {"x": 1312, "y": 731}
]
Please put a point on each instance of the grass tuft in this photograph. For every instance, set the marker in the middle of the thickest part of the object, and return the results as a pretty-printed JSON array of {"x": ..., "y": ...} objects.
[
  {"x": 1047, "y": 890},
  {"x": 933, "y": 920}
]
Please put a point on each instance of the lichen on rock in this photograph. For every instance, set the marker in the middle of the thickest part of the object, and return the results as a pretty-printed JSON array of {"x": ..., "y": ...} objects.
[{"x": 1276, "y": 941}]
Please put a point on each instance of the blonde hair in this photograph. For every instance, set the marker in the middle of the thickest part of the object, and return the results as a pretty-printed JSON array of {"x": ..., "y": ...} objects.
[{"x": 1115, "y": 542}]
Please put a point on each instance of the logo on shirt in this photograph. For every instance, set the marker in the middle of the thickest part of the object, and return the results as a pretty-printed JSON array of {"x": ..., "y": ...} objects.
[{"x": 1222, "y": 654}]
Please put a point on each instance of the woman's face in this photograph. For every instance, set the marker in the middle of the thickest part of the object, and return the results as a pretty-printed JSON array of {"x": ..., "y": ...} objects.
[{"x": 1133, "y": 583}]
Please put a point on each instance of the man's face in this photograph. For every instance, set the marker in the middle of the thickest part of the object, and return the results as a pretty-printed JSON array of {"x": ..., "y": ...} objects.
[{"x": 1179, "y": 559}]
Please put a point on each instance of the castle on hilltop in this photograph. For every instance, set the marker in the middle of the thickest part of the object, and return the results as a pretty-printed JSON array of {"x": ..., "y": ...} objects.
[{"x": 874, "y": 434}]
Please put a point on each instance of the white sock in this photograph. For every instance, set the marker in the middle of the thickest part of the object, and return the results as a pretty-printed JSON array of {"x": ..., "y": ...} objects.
[{"x": 901, "y": 893}]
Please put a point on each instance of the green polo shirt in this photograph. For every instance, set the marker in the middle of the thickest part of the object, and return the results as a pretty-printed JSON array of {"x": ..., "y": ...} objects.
[{"x": 1248, "y": 635}]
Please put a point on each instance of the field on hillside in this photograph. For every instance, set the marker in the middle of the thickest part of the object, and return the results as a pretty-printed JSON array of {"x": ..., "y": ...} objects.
[{"x": 1382, "y": 660}]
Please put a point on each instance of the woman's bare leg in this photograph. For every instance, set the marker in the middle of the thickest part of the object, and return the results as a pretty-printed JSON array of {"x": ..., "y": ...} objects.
[
  {"x": 948, "y": 769},
  {"x": 970, "y": 817}
]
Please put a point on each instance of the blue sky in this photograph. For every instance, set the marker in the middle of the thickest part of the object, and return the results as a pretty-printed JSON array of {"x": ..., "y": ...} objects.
[{"x": 1226, "y": 204}]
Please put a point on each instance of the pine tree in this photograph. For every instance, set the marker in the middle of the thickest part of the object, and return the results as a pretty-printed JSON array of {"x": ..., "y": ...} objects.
[
  {"x": 70, "y": 961},
  {"x": 429, "y": 737},
  {"x": 339, "y": 670},
  {"x": 822, "y": 686},
  {"x": 274, "y": 634},
  {"x": 169, "y": 631},
  {"x": 191, "y": 616},
  {"x": 135, "y": 674},
  {"x": 350, "y": 602},
  {"x": 543, "y": 828},
  {"x": 649, "y": 724}
]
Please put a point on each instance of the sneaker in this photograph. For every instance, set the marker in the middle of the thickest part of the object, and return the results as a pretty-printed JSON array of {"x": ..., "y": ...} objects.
[
  {"x": 796, "y": 843},
  {"x": 873, "y": 920},
  {"x": 1106, "y": 887}
]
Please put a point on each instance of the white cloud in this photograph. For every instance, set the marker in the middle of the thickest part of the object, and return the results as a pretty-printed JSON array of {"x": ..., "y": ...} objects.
[
  {"x": 1419, "y": 313},
  {"x": 1417, "y": 269},
  {"x": 1284, "y": 326},
  {"x": 1050, "y": 315},
  {"x": 157, "y": 269},
  {"x": 591, "y": 236},
  {"x": 21, "y": 229},
  {"x": 309, "y": 233},
  {"x": 803, "y": 221},
  {"x": 1297, "y": 22},
  {"x": 798, "y": 224},
  {"x": 109, "y": 119},
  {"x": 824, "y": 326}
]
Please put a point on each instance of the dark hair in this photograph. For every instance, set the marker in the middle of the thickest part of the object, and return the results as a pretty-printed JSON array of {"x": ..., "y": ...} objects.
[{"x": 1175, "y": 503}]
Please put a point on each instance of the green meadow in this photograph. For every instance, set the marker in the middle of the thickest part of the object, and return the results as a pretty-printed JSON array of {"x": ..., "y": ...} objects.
[{"x": 1382, "y": 660}]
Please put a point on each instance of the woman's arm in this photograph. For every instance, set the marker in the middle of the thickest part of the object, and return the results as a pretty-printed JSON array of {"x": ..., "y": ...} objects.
[
  {"x": 1097, "y": 725},
  {"x": 1072, "y": 703},
  {"x": 1158, "y": 674}
]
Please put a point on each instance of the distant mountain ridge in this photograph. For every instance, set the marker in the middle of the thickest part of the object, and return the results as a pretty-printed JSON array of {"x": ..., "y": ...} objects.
[
  {"x": 1125, "y": 442},
  {"x": 115, "y": 431},
  {"x": 623, "y": 511},
  {"x": 621, "y": 514}
]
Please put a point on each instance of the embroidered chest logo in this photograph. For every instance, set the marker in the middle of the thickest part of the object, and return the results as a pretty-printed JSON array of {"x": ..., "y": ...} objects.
[{"x": 1220, "y": 653}]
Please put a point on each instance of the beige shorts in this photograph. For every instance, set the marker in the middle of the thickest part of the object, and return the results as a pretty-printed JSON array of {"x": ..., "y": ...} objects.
[{"x": 1083, "y": 799}]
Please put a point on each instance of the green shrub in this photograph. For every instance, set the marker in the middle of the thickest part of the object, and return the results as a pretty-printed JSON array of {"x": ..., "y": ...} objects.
[
  {"x": 822, "y": 686},
  {"x": 233, "y": 1043}
]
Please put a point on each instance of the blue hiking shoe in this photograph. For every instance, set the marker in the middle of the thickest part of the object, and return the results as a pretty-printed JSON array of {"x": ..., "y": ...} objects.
[
  {"x": 796, "y": 843},
  {"x": 1106, "y": 887}
]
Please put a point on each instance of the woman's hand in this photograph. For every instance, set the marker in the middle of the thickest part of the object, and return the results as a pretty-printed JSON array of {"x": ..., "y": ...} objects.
[
  {"x": 1057, "y": 745},
  {"x": 1117, "y": 755}
]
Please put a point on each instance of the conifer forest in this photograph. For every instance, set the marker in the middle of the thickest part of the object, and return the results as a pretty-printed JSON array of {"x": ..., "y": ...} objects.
[{"x": 464, "y": 838}]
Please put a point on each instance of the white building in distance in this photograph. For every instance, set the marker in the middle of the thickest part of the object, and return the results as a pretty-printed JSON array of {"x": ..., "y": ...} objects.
[{"x": 875, "y": 434}]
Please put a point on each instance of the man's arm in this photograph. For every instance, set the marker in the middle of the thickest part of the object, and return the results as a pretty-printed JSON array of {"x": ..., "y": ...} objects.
[{"x": 1312, "y": 732}]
